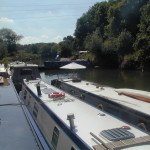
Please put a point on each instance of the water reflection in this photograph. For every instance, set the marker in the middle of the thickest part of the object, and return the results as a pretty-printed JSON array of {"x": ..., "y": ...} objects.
[{"x": 114, "y": 78}]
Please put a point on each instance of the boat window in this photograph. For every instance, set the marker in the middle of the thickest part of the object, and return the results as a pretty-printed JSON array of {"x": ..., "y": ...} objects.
[
  {"x": 35, "y": 110},
  {"x": 25, "y": 94},
  {"x": 28, "y": 102},
  {"x": 55, "y": 138},
  {"x": 26, "y": 72}
]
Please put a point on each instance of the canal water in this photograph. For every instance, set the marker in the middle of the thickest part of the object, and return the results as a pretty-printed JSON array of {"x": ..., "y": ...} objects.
[{"x": 114, "y": 78}]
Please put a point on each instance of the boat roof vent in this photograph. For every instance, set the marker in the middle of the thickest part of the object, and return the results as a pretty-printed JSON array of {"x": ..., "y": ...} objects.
[{"x": 117, "y": 134}]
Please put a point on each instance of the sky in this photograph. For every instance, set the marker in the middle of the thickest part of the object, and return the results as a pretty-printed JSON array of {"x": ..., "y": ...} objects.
[{"x": 42, "y": 20}]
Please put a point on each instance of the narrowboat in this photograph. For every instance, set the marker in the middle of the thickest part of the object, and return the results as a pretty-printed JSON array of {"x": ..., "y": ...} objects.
[
  {"x": 122, "y": 103},
  {"x": 68, "y": 123}
]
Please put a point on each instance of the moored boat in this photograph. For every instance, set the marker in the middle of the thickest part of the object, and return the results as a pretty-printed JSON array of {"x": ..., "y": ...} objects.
[
  {"x": 105, "y": 97},
  {"x": 71, "y": 124},
  {"x": 16, "y": 127},
  {"x": 59, "y": 63},
  {"x": 20, "y": 71}
]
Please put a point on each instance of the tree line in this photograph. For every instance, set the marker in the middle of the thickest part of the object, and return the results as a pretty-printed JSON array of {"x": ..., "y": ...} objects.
[{"x": 115, "y": 33}]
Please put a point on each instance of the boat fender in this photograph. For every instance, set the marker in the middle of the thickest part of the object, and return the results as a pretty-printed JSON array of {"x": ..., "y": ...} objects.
[
  {"x": 100, "y": 106},
  {"x": 82, "y": 96},
  {"x": 142, "y": 125},
  {"x": 25, "y": 95},
  {"x": 119, "y": 93}
]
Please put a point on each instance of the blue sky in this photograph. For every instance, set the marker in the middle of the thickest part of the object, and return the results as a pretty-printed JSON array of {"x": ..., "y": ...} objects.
[{"x": 42, "y": 20}]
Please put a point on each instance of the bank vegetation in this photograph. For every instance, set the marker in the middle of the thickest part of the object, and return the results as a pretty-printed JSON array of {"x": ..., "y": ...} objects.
[{"x": 115, "y": 34}]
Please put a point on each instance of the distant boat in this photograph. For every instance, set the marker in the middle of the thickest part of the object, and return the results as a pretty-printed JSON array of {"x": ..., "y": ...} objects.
[
  {"x": 57, "y": 64},
  {"x": 73, "y": 66},
  {"x": 20, "y": 71}
]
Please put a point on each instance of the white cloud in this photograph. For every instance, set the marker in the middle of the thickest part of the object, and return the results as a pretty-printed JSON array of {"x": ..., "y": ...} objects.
[
  {"x": 6, "y": 20},
  {"x": 57, "y": 39},
  {"x": 44, "y": 37},
  {"x": 41, "y": 39},
  {"x": 30, "y": 40}
]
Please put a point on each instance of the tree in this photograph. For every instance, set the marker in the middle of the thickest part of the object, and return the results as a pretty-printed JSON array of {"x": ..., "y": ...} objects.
[
  {"x": 3, "y": 50},
  {"x": 10, "y": 39},
  {"x": 142, "y": 43},
  {"x": 125, "y": 44},
  {"x": 65, "y": 49},
  {"x": 130, "y": 14},
  {"x": 100, "y": 18},
  {"x": 68, "y": 38},
  {"x": 93, "y": 44}
]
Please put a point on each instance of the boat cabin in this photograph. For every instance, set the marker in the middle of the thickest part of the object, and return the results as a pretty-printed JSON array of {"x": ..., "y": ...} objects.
[{"x": 23, "y": 71}]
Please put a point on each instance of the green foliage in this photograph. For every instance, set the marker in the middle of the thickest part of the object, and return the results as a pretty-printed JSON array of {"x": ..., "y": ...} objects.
[
  {"x": 45, "y": 50},
  {"x": 25, "y": 57},
  {"x": 109, "y": 53},
  {"x": 95, "y": 18},
  {"x": 3, "y": 50},
  {"x": 65, "y": 49},
  {"x": 117, "y": 32},
  {"x": 142, "y": 43},
  {"x": 9, "y": 38},
  {"x": 88, "y": 56},
  {"x": 125, "y": 42},
  {"x": 130, "y": 61},
  {"x": 93, "y": 43}
]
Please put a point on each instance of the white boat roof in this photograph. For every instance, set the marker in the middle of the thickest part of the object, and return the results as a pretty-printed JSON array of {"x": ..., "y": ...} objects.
[
  {"x": 24, "y": 65},
  {"x": 87, "y": 118},
  {"x": 73, "y": 66},
  {"x": 21, "y": 64},
  {"x": 111, "y": 94}
]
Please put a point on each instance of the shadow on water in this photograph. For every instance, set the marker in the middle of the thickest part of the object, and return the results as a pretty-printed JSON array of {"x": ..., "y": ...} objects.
[{"x": 114, "y": 78}]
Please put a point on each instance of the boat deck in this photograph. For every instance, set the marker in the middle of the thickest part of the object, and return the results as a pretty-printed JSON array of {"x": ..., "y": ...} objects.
[
  {"x": 88, "y": 119},
  {"x": 111, "y": 94},
  {"x": 15, "y": 132}
]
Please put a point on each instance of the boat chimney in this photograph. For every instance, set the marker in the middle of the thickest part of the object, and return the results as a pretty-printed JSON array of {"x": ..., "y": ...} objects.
[
  {"x": 71, "y": 118},
  {"x": 38, "y": 89}
]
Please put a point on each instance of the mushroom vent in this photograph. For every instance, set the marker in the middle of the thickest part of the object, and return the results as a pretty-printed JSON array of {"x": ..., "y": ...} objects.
[{"x": 117, "y": 134}]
